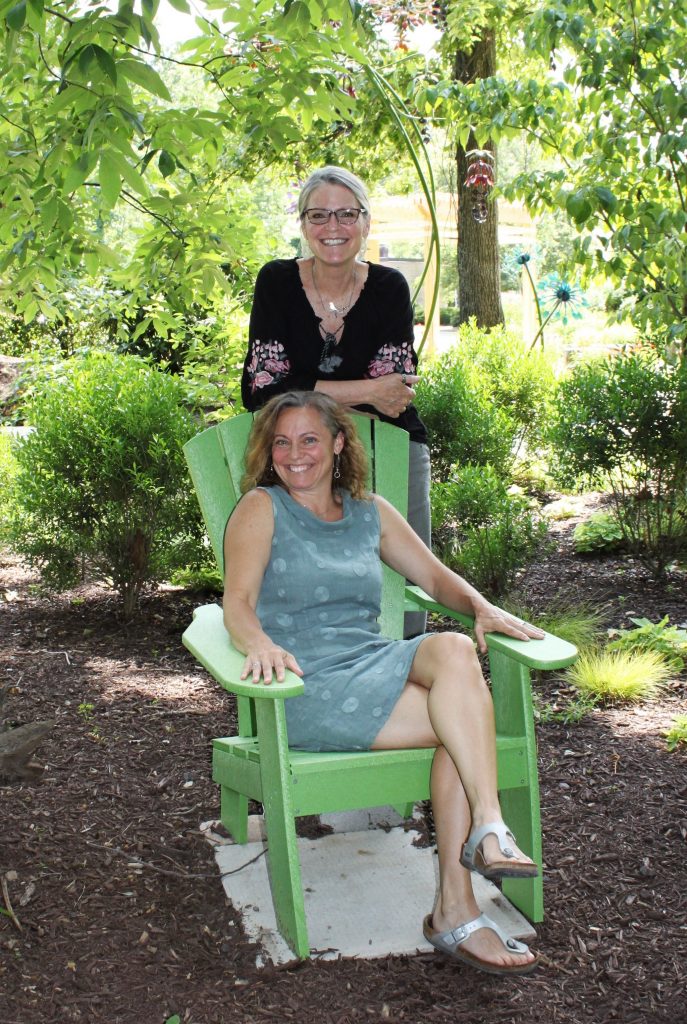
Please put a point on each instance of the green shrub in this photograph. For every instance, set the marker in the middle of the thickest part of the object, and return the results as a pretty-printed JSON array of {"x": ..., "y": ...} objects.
[
  {"x": 670, "y": 642},
  {"x": 101, "y": 487},
  {"x": 676, "y": 734},
  {"x": 567, "y": 711},
  {"x": 519, "y": 381},
  {"x": 8, "y": 472},
  {"x": 481, "y": 399},
  {"x": 600, "y": 534},
  {"x": 482, "y": 531},
  {"x": 616, "y": 677},
  {"x": 579, "y": 624},
  {"x": 200, "y": 578},
  {"x": 622, "y": 423}
]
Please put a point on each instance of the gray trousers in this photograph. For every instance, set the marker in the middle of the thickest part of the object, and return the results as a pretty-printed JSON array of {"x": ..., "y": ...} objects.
[{"x": 419, "y": 517}]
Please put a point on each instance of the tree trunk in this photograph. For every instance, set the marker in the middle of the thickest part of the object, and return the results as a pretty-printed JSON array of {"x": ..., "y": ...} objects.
[
  {"x": 479, "y": 271},
  {"x": 17, "y": 747}
]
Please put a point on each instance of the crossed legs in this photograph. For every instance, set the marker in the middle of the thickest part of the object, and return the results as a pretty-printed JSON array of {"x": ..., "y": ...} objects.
[{"x": 446, "y": 704}]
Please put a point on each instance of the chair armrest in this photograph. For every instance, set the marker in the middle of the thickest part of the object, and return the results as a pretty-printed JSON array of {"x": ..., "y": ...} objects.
[
  {"x": 549, "y": 653},
  {"x": 208, "y": 640}
]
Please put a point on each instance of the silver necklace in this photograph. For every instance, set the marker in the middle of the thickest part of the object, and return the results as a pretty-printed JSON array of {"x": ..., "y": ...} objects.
[{"x": 331, "y": 307}]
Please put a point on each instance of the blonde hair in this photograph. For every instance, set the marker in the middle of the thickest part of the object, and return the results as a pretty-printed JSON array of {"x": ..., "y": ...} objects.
[
  {"x": 332, "y": 175},
  {"x": 352, "y": 463}
]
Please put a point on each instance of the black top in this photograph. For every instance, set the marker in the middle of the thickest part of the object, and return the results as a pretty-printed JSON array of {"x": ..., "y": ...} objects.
[{"x": 286, "y": 351}]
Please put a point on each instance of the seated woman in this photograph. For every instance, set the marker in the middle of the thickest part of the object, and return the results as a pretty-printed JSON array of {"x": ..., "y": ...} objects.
[{"x": 304, "y": 546}]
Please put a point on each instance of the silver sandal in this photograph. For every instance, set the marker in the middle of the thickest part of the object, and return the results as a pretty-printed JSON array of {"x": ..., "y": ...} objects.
[
  {"x": 450, "y": 943},
  {"x": 472, "y": 857}
]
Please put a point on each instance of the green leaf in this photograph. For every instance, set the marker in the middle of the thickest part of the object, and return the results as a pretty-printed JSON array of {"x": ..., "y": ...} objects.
[
  {"x": 607, "y": 199},
  {"x": 79, "y": 171},
  {"x": 106, "y": 63},
  {"x": 128, "y": 172},
  {"x": 91, "y": 263},
  {"x": 17, "y": 16},
  {"x": 578, "y": 206},
  {"x": 110, "y": 178},
  {"x": 35, "y": 16},
  {"x": 166, "y": 163},
  {"x": 142, "y": 74},
  {"x": 48, "y": 212},
  {"x": 180, "y": 5}
]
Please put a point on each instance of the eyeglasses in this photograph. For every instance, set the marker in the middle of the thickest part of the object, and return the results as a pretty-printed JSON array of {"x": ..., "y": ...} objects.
[{"x": 317, "y": 215}]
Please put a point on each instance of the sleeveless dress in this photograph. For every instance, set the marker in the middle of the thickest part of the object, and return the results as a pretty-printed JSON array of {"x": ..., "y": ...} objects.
[{"x": 320, "y": 599}]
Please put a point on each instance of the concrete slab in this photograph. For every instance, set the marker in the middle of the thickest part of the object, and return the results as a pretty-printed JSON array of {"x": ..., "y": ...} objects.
[{"x": 366, "y": 893}]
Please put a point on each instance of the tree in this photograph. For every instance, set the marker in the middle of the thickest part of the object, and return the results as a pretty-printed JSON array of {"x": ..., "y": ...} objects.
[
  {"x": 479, "y": 265},
  {"x": 88, "y": 125},
  {"x": 471, "y": 38},
  {"x": 613, "y": 108}
]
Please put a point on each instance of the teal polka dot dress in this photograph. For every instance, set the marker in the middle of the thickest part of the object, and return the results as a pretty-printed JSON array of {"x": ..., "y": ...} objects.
[{"x": 320, "y": 599}]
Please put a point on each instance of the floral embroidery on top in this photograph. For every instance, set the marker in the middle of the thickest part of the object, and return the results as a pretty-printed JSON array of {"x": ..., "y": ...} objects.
[
  {"x": 268, "y": 363},
  {"x": 392, "y": 359}
]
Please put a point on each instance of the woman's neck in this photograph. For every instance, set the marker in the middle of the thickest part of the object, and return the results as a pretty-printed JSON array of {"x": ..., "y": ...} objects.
[{"x": 328, "y": 507}]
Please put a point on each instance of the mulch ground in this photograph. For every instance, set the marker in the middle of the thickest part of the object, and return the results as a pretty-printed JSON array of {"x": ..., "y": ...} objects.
[{"x": 118, "y": 911}]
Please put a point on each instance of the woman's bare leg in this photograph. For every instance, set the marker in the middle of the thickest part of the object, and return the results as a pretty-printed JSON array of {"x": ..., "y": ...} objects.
[
  {"x": 409, "y": 726},
  {"x": 461, "y": 713}
]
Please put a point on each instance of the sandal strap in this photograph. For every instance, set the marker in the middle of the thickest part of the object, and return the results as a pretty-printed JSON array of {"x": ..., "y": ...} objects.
[
  {"x": 497, "y": 828},
  {"x": 464, "y": 931}
]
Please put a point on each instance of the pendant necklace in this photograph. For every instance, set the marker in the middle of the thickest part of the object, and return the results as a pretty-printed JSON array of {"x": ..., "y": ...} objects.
[{"x": 331, "y": 307}]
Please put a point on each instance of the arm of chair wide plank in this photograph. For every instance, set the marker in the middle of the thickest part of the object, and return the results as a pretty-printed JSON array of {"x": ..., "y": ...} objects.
[
  {"x": 549, "y": 653},
  {"x": 207, "y": 639}
]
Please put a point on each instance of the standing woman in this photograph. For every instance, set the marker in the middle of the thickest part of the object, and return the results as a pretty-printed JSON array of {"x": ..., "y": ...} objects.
[{"x": 334, "y": 323}]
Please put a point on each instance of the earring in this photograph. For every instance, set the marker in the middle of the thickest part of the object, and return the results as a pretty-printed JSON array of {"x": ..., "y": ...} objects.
[{"x": 337, "y": 465}]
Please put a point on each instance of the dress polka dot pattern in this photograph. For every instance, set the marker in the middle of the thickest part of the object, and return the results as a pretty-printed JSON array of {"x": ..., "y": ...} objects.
[{"x": 320, "y": 598}]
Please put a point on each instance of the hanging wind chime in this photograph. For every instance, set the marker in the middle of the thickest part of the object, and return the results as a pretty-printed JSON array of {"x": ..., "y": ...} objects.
[{"x": 479, "y": 180}]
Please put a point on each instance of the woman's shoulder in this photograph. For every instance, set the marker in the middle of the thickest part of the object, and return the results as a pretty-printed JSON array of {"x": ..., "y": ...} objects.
[
  {"x": 381, "y": 276},
  {"x": 254, "y": 503},
  {"x": 278, "y": 271}
]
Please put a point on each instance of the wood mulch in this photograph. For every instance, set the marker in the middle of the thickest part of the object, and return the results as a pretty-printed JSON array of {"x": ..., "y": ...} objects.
[{"x": 112, "y": 908}]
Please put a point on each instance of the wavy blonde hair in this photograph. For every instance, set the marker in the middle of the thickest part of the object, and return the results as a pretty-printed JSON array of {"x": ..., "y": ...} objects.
[{"x": 352, "y": 460}]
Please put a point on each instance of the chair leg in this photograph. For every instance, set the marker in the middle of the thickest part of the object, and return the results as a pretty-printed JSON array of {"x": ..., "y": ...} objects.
[
  {"x": 521, "y": 811},
  {"x": 282, "y": 850},
  {"x": 512, "y": 695},
  {"x": 234, "y": 814}
]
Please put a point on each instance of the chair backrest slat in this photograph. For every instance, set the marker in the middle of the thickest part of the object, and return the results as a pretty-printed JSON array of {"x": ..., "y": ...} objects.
[
  {"x": 390, "y": 479},
  {"x": 214, "y": 486}
]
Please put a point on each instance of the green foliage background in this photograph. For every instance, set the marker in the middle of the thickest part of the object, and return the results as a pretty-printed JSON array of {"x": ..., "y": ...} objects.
[{"x": 101, "y": 489}]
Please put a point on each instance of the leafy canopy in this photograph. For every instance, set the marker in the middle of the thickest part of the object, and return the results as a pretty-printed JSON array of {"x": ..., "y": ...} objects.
[
  {"x": 612, "y": 107},
  {"x": 88, "y": 126}
]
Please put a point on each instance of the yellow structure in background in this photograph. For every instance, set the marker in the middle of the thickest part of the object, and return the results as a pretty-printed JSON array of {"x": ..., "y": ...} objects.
[{"x": 406, "y": 219}]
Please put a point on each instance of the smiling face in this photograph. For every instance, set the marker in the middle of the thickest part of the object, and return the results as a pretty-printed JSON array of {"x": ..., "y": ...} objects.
[
  {"x": 334, "y": 243},
  {"x": 303, "y": 451}
]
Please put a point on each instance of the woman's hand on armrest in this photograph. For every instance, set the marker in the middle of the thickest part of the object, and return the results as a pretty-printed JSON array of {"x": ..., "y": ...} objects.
[
  {"x": 490, "y": 619},
  {"x": 268, "y": 660}
]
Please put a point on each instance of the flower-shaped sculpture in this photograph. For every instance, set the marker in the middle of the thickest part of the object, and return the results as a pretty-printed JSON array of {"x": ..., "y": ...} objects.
[{"x": 562, "y": 299}]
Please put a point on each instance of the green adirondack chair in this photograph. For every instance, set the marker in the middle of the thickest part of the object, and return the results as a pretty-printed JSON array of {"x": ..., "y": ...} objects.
[{"x": 258, "y": 764}]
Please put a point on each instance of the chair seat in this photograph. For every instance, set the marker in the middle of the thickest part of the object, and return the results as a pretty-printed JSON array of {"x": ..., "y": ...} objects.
[{"x": 331, "y": 781}]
